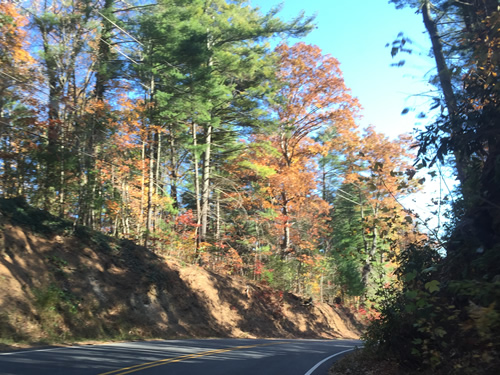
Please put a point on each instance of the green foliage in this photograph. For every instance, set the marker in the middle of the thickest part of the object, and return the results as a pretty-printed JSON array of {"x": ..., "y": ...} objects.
[
  {"x": 55, "y": 299},
  {"x": 268, "y": 277},
  {"x": 100, "y": 240},
  {"x": 348, "y": 276},
  {"x": 346, "y": 256},
  {"x": 427, "y": 320},
  {"x": 407, "y": 325},
  {"x": 39, "y": 221},
  {"x": 48, "y": 225},
  {"x": 281, "y": 273},
  {"x": 54, "y": 307},
  {"x": 260, "y": 170}
]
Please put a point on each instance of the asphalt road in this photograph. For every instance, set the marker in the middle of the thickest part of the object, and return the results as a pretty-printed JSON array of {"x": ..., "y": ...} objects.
[{"x": 182, "y": 357}]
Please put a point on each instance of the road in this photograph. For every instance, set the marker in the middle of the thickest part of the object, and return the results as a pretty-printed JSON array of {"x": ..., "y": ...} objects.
[{"x": 182, "y": 357}]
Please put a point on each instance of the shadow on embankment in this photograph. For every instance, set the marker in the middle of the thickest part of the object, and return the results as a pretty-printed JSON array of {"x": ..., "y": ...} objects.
[{"x": 60, "y": 283}]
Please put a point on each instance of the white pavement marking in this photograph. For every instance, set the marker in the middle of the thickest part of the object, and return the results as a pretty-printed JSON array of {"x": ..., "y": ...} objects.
[
  {"x": 326, "y": 359},
  {"x": 86, "y": 347},
  {"x": 79, "y": 347}
]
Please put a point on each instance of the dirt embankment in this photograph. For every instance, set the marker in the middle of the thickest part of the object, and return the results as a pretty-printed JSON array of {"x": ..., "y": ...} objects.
[{"x": 57, "y": 287}]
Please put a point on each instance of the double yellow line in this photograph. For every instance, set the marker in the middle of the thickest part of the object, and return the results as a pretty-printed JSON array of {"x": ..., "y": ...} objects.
[{"x": 161, "y": 362}]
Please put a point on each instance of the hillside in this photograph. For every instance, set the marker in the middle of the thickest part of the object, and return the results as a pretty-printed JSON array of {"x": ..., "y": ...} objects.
[{"x": 61, "y": 284}]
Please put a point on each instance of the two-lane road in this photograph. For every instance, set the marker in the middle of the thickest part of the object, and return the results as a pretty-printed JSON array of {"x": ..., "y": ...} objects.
[{"x": 182, "y": 357}]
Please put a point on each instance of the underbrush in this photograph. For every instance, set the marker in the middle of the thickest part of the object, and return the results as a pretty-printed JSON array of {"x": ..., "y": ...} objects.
[
  {"x": 365, "y": 362},
  {"x": 38, "y": 221},
  {"x": 434, "y": 323},
  {"x": 58, "y": 317}
]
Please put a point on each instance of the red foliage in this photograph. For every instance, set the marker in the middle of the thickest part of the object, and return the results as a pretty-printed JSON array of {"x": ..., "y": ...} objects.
[{"x": 187, "y": 219}]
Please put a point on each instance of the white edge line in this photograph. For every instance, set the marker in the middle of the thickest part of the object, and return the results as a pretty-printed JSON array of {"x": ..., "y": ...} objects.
[
  {"x": 83, "y": 346},
  {"x": 33, "y": 351},
  {"x": 326, "y": 359},
  {"x": 21, "y": 351}
]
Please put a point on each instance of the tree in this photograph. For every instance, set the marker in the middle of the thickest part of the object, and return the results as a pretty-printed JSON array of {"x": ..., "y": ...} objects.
[
  {"x": 63, "y": 29},
  {"x": 466, "y": 131},
  {"x": 447, "y": 305},
  {"x": 312, "y": 96},
  {"x": 96, "y": 112},
  {"x": 17, "y": 92},
  {"x": 369, "y": 225},
  {"x": 345, "y": 243},
  {"x": 282, "y": 212},
  {"x": 15, "y": 60},
  {"x": 381, "y": 174},
  {"x": 219, "y": 59},
  {"x": 462, "y": 24}
]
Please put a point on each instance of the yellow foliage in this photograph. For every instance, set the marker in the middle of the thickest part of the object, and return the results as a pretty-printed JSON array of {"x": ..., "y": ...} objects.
[
  {"x": 484, "y": 318},
  {"x": 13, "y": 45}
]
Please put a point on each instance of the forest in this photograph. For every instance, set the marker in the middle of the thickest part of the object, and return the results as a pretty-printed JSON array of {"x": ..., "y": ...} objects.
[
  {"x": 175, "y": 124},
  {"x": 209, "y": 133}
]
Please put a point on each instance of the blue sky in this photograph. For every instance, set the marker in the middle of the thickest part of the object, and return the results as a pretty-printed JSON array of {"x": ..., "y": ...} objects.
[{"x": 355, "y": 33}]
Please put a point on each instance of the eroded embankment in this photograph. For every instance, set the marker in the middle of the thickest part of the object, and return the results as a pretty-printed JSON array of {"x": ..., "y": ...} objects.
[{"x": 56, "y": 287}]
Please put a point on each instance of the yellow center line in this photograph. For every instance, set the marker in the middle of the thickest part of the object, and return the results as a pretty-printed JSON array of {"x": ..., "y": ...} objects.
[{"x": 143, "y": 366}]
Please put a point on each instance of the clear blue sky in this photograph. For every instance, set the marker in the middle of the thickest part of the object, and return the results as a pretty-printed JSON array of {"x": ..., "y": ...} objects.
[{"x": 356, "y": 32}]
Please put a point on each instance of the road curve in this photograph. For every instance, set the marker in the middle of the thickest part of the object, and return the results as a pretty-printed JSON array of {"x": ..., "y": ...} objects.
[{"x": 181, "y": 357}]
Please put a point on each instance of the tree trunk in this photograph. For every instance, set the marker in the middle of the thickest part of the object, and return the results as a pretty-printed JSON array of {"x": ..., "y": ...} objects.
[
  {"x": 370, "y": 245},
  {"x": 7, "y": 176},
  {"x": 444, "y": 75},
  {"x": 173, "y": 169},
  {"x": 299, "y": 284},
  {"x": 285, "y": 244},
  {"x": 104, "y": 52},
  {"x": 205, "y": 193},
  {"x": 62, "y": 181},
  {"x": 149, "y": 207},
  {"x": 156, "y": 187},
  {"x": 53, "y": 131},
  {"x": 370, "y": 250},
  {"x": 196, "y": 185},
  {"x": 322, "y": 280},
  {"x": 217, "y": 217},
  {"x": 143, "y": 184}
]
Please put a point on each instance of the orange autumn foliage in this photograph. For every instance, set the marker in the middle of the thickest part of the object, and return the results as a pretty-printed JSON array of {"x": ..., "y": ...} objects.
[
  {"x": 13, "y": 44},
  {"x": 313, "y": 97}
]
